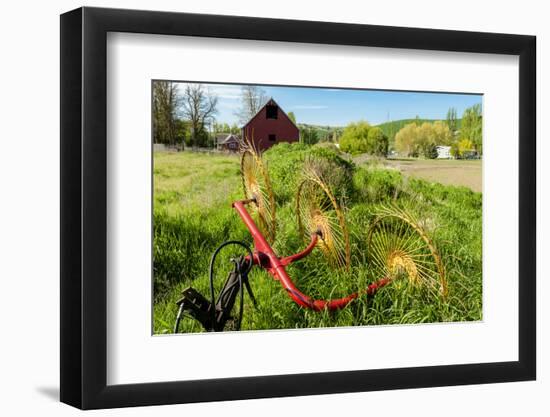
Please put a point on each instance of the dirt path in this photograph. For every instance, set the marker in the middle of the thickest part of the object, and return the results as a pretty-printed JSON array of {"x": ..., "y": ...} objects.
[{"x": 450, "y": 172}]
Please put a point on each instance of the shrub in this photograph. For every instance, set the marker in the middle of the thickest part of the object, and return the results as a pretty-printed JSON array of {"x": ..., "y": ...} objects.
[
  {"x": 286, "y": 161},
  {"x": 376, "y": 185},
  {"x": 330, "y": 146}
]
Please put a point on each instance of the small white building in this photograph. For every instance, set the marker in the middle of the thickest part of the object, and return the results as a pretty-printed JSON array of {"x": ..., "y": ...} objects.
[{"x": 443, "y": 152}]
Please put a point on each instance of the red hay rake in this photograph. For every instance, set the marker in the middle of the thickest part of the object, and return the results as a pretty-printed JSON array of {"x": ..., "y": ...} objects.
[{"x": 409, "y": 252}]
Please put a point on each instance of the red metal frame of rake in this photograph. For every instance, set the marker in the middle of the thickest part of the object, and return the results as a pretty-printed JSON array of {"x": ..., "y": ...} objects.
[{"x": 265, "y": 257}]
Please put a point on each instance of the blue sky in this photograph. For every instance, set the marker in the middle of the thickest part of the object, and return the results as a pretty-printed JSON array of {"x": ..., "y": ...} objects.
[{"x": 338, "y": 107}]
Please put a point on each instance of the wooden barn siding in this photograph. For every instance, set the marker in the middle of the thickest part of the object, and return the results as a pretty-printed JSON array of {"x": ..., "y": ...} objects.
[{"x": 259, "y": 128}]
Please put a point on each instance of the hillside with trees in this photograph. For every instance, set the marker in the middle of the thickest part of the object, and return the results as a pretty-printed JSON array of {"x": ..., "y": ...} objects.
[{"x": 312, "y": 134}]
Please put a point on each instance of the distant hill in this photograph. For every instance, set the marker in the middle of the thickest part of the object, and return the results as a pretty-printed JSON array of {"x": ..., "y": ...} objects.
[
  {"x": 319, "y": 127},
  {"x": 315, "y": 133},
  {"x": 391, "y": 128}
]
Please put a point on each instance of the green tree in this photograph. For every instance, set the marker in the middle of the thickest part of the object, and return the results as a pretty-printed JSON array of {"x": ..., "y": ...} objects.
[
  {"x": 354, "y": 139},
  {"x": 452, "y": 121},
  {"x": 465, "y": 146},
  {"x": 377, "y": 142},
  {"x": 309, "y": 135},
  {"x": 471, "y": 129},
  {"x": 442, "y": 133},
  {"x": 406, "y": 140},
  {"x": 335, "y": 135},
  {"x": 422, "y": 139},
  {"x": 455, "y": 151},
  {"x": 182, "y": 131},
  {"x": 165, "y": 105},
  {"x": 292, "y": 116},
  {"x": 221, "y": 128},
  {"x": 235, "y": 129},
  {"x": 425, "y": 139},
  {"x": 198, "y": 106}
]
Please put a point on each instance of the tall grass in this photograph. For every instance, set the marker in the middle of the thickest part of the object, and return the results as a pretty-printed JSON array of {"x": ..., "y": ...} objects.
[{"x": 193, "y": 215}]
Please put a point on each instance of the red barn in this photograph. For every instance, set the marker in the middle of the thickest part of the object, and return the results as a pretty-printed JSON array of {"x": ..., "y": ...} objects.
[{"x": 270, "y": 126}]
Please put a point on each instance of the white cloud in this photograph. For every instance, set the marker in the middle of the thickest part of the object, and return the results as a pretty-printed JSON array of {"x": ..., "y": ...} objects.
[{"x": 227, "y": 92}]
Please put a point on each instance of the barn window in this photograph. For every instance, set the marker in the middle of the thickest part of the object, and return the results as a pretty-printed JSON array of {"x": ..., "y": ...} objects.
[
  {"x": 272, "y": 138},
  {"x": 271, "y": 111}
]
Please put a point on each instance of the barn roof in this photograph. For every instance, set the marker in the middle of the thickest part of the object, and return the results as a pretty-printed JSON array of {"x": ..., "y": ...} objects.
[
  {"x": 225, "y": 138},
  {"x": 230, "y": 138},
  {"x": 271, "y": 101}
]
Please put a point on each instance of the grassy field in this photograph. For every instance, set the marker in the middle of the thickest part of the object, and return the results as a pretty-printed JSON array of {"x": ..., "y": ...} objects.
[{"x": 193, "y": 215}]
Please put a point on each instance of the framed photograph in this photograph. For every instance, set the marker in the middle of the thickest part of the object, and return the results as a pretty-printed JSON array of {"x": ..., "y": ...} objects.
[{"x": 255, "y": 208}]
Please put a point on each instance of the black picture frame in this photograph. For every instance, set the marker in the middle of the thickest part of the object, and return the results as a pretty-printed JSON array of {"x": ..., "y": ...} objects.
[{"x": 84, "y": 207}]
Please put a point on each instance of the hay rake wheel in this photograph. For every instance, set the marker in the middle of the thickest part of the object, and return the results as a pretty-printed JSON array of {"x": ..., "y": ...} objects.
[
  {"x": 257, "y": 188},
  {"x": 319, "y": 212},
  {"x": 400, "y": 247}
]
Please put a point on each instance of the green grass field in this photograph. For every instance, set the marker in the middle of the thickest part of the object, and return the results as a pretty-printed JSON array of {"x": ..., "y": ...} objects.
[{"x": 193, "y": 215}]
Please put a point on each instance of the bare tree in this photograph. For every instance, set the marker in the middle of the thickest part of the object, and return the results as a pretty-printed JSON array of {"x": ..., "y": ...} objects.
[
  {"x": 198, "y": 105},
  {"x": 252, "y": 100},
  {"x": 165, "y": 104}
]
